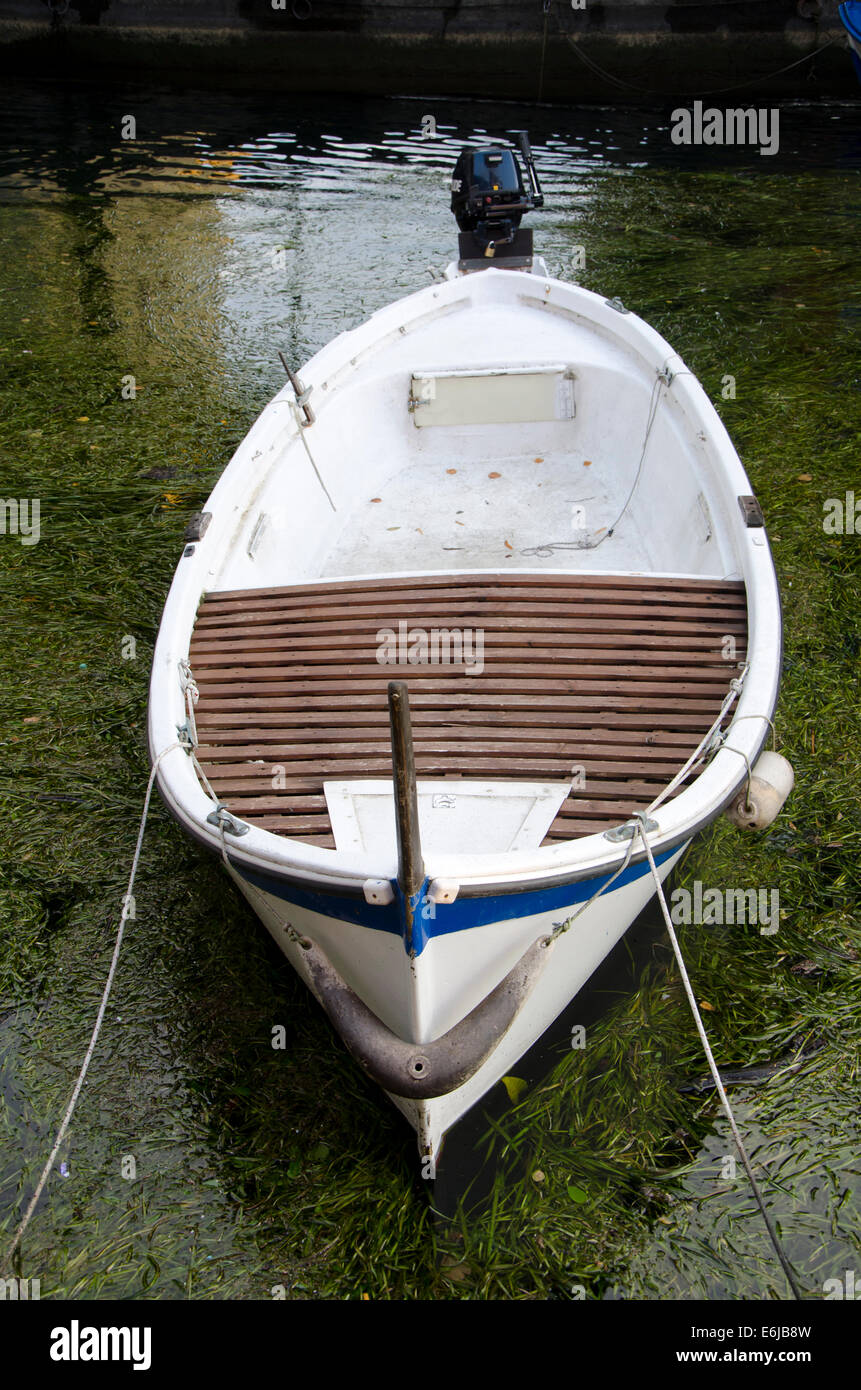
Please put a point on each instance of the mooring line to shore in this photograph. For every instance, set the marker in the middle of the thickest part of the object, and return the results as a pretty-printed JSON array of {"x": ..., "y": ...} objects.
[
  {"x": 61, "y": 1133},
  {"x": 719, "y": 1086}
]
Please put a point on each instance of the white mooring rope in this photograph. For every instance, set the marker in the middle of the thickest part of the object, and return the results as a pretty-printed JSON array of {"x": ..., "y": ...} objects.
[
  {"x": 639, "y": 822},
  {"x": 16, "y": 1239},
  {"x": 787, "y": 1268}
]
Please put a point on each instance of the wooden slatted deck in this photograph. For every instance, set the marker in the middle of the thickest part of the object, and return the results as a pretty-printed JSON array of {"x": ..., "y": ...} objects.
[{"x": 620, "y": 676}]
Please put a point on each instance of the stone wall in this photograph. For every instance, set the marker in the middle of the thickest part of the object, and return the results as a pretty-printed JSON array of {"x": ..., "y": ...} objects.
[{"x": 618, "y": 51}]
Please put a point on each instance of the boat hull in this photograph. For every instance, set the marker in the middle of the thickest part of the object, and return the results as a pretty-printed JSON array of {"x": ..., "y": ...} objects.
[{"x": 460, "y": 965}]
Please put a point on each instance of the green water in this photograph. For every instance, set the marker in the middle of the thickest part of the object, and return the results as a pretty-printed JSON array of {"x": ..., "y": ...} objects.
[{"x": 228, "y": 229}]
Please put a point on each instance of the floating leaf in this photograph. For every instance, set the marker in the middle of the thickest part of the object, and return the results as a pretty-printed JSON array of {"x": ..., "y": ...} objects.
[
  {"x": 577, "y": 1194},
  {"x": 515, "y": 1087}
]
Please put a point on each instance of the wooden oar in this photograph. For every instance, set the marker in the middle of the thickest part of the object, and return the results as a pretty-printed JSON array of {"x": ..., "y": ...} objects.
[{"x": 410, "y": 864}]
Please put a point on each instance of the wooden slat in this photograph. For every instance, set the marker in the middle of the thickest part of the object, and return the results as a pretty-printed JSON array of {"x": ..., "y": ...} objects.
[
  {"x": 453, "y": 580},
  {"x": 650, "y": 620},
  {"x": 341, "y": 702},
  {"x": 506, "y": 709},
  {"x": 608, "y": 677},
  {"x": 617, "y": 675},
  {"x": 474, "y": 587},
  {"x": 284, "y": 825},
  {"x": 223, "y": 755},
  {"x": 213, "y": 714},
  {"x": 253, "y": 742},
  {"x": 244, "y": 776},
  {"x": 628, "y": 654},
  {"x": 587, "y": 647},
  {"x": 521, "y": 681},
  {"x": 451, "y": 605}
]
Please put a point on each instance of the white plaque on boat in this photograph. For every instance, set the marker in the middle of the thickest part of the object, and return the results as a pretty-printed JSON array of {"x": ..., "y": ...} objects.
[
  {"x": 490, "y": 817},
  {"x": 493, "y": 396}
]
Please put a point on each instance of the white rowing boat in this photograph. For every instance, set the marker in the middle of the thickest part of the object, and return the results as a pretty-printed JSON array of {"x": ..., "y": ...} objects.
[{"x": 505, "y": 507}]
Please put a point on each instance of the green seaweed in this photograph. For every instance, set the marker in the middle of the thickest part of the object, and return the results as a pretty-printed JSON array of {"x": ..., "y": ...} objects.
[{"x": 265, "y": 1172}]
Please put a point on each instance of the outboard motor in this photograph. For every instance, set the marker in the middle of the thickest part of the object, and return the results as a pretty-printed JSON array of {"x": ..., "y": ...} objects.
[{"x": 489, "y": 197}]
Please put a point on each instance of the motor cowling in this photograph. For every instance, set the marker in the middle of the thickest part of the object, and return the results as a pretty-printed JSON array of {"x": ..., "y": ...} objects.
[{"x": 488, "y": 193}]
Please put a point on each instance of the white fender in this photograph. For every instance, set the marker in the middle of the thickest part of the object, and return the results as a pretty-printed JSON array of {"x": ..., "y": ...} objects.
[{"x": 770, "y": 785}]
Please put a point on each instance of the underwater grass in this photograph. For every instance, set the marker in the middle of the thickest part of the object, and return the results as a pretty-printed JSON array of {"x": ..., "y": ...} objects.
[{"x": 264, "y": 1172}]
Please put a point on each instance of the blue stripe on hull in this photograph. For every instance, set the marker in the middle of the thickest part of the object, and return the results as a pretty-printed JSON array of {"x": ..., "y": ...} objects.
[{"x": 439, "y": 919}]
